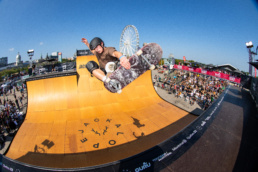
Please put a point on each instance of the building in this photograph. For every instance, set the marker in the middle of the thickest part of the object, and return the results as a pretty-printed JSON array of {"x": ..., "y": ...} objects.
[
  {"x": 60, "y": 57},
  {"x": 18, "y": 59},
  {"x": 4, "y": 61},
  {"x": 71, "y": 58},
  {"x": 166, "y": 61},
  {"x": 228, "y": 68},
  {"x": 54, "y": 55}
]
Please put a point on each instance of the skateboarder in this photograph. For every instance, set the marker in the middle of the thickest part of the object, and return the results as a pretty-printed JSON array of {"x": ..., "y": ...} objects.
[{"x": 104, "y": 55}]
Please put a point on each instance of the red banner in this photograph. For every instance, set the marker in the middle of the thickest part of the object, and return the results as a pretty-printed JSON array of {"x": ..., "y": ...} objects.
[{"x": 207, "y": 72}]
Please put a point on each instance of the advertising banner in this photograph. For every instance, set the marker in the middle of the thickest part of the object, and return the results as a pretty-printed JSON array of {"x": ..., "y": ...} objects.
[
  {"x": 210, "y": 73},
  {"x": 83, "y": 52}
]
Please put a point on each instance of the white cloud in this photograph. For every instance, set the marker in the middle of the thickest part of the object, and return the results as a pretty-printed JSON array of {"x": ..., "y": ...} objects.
[
  {"x": 11, "y": 49},
  {"x": 41, "y": 43}
]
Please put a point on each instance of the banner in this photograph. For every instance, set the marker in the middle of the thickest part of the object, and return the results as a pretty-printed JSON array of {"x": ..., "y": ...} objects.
[
  {"x": 83, "y": 52},
  {"x": 210, "y": 73}
]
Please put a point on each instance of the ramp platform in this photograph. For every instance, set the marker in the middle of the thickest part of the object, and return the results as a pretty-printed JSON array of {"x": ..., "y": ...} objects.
[{"x": 73, "y": 121}]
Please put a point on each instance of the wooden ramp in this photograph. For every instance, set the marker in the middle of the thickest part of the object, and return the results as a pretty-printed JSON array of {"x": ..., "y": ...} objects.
[{"x": 73, "y": 121}]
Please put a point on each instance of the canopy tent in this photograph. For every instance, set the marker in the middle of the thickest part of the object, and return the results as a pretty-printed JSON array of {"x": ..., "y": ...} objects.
[{"x": 255, "y": 64}]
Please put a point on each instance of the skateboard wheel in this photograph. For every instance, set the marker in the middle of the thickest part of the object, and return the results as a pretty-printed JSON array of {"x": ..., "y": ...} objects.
[
  {"x": 107, "y": 80},
  {"x": 152, "y": 67},
  {"x": 119, "y": 91},
  {"x": 110, "y": 67},
  {"x": 139, "y": 52}
]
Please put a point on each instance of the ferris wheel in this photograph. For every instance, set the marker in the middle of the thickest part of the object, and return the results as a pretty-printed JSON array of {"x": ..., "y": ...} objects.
[{"x": 129, "y": 40}]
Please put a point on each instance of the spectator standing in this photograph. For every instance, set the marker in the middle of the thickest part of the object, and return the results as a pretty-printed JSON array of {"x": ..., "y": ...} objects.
[
  {"x": 21, "y": 101},
  {"x": 17, "y": 104}
]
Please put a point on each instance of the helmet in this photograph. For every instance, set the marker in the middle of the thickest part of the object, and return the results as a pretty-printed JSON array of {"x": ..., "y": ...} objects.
[{"x": 95, "y": 42}]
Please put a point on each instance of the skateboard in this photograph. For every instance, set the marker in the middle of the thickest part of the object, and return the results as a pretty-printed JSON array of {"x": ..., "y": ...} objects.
[{"x": 144, "y": 59}]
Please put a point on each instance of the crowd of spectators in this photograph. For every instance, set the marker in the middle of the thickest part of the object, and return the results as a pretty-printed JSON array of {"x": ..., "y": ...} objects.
[
  {"x": 11, "y": 115},
  {"x": 192, "y": 87}
]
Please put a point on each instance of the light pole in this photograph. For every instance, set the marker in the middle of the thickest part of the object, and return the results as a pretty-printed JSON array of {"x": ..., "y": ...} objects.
[{"x": 249, "y": 46}]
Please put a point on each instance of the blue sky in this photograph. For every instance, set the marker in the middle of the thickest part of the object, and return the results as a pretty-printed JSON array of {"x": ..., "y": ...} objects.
[{"x": 206, "y": 31}]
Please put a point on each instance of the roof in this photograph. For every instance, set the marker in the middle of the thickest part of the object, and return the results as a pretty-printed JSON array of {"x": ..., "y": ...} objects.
[{"x": 227, "y": 67}]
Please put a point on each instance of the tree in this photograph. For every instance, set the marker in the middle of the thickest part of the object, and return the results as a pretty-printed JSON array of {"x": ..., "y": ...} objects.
[
  {"x": 47, "y": 57},
  {"x": 9, "y": 72},
  {"x": 179, "y": 60},
  {"x": 161, "y": 62}
]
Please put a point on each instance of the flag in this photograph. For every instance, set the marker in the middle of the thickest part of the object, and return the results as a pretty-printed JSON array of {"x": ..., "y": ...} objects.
[{"x": 184, "y": 58}]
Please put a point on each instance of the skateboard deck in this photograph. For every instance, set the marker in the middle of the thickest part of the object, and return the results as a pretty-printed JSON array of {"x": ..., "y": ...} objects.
[{"x": 145, "y": 58}]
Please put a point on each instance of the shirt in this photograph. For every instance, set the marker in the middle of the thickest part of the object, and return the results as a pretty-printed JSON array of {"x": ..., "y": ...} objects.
[{"x": 106, "y": 56}]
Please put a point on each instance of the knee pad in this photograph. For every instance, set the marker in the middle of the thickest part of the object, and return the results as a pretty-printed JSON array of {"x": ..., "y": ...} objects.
[
  {"x": 91, "y": 66},
  {"x": 105, "y": 72}
]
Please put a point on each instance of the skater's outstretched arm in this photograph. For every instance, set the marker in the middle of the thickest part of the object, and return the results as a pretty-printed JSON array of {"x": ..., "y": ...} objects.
[
  {"x": 123, "y": 60},
  {"x": 85, "y": 41}
]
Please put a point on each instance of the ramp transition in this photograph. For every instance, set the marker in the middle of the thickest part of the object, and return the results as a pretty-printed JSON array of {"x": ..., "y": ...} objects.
[{"x": 73, "y": 121}]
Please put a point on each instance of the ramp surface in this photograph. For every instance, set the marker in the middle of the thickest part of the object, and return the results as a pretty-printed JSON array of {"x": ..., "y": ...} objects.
[{"x": 73, "y": 121}]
